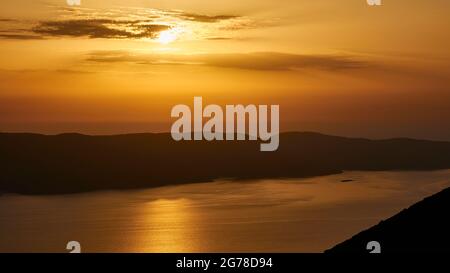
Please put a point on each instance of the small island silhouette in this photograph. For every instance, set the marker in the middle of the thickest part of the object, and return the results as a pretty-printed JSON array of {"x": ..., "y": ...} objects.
[{"x": 347, "y": 180}]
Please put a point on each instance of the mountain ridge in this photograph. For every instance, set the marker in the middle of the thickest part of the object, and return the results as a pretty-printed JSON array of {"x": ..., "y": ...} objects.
[{"x": 72, "y": 162}]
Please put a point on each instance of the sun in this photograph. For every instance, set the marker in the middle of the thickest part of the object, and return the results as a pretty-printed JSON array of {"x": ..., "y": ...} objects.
[{"x": 167, "y": 37}]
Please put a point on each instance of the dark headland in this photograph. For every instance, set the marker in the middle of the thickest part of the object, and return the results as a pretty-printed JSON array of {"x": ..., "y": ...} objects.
[
  {"x": 71, "y": 163},
  {"x": 424, "y": 227}
]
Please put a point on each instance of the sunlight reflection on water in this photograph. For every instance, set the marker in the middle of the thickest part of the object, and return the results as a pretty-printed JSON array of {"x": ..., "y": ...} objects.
[{"x": 297, "y": 215}]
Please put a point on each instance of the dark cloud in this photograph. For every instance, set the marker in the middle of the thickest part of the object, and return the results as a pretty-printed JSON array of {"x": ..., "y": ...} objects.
[
  {"x": 99, "y": 28},
  {"x": 249, "y": 61},
  {"x": 218, "y": 38},
  {"x": 282, "y": 61},
  {"x": 19, "y": 36},
  {"x": 110, "y": 24},
  {"x": 205, "y": 18}
]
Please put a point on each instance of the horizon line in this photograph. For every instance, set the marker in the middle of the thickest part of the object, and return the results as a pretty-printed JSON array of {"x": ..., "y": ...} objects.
[{"x": 168, "y": 133}]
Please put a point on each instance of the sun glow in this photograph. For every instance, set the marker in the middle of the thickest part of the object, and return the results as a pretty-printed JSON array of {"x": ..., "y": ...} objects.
[{"x": 167, "y": 37}]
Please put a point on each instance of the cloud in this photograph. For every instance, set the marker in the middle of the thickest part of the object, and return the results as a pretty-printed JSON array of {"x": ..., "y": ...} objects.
[
  {"x": 73, "y": 71},
  {"x": 19, "y": 36},
  {"x": 219, "y": 38},
  {"x": 250, "y": 61},
  {"x": 127, "y": 23},
  {"x": 100, "y": 28},
  {"x": 282, "y": 61},
  {"x": 205, "y": 18},
  {"x": 110, "y": 56}
]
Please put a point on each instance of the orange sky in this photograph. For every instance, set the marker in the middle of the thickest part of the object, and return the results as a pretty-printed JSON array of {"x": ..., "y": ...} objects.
[{"x": 338, "y": 67}]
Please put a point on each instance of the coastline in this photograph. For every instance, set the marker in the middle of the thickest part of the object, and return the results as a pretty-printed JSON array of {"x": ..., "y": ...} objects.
[{"x": 73, "y": 163}]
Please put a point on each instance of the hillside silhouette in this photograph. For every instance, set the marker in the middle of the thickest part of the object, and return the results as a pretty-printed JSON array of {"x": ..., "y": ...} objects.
[
  {"x": 70, "y": 163},
  {"x": 424, "y": 227}
]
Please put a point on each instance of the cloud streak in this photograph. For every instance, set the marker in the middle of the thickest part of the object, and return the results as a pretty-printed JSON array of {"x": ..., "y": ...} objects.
[
  {"x": 120, "y": 23},
  {"x": 263, "y": 61},
  {"x": 7, "y": 36},
  {"x": 99, "y": 28},
  {"x": 205, "y": 18}
]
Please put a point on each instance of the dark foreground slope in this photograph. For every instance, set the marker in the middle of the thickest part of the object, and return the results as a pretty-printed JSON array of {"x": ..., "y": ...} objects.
[
  {"x": 424, "y": 227},
  {"x": 68, "y": 163}
]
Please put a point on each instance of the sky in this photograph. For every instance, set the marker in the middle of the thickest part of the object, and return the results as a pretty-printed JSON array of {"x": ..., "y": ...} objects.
[{"x": 119, "y": 66}]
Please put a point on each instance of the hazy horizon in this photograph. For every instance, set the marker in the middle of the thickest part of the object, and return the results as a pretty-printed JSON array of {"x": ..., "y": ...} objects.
[
  {"x": 340, "y": 68},
  {"x": 117, "y": 131}
]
